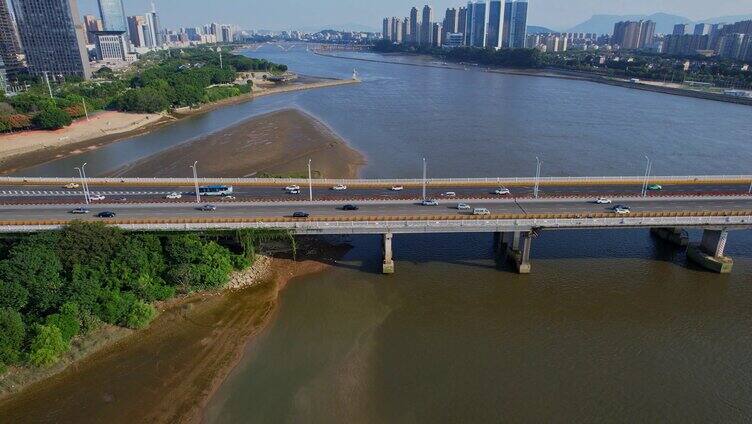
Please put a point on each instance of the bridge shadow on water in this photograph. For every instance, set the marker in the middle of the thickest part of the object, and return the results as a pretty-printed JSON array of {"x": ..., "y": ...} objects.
[{"x": 477, "y": 250}]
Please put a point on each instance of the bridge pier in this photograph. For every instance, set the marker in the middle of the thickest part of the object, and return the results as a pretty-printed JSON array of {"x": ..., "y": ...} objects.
[
  {"x": 518, "y": 245},
  {"x": 673, "y": 235},
  {"x": 387, "y": 266},
  {"x": 709, "y": 253}
]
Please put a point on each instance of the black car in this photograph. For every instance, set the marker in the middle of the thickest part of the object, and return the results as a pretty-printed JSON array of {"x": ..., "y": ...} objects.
[
  {"x": 106, "y": 214},
  {"x": 350, "y": 208},
  {"x": 300, "y": 215}
]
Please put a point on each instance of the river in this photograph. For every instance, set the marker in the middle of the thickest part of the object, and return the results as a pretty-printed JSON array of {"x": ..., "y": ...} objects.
[{"x": 610, "y": 326}]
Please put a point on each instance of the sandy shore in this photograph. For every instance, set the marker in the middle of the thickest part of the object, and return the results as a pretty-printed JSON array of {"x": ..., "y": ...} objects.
[
  {"x": 277, "y": 143},
  {"x": 29, "y": 148},
  {"x": 168, "y": 372}
]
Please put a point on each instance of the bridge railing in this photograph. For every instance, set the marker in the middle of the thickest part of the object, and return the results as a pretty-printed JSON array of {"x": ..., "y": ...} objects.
[{"x": 604, "y": 180}]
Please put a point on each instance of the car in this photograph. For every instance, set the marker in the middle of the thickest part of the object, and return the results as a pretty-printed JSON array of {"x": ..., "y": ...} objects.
[
  {"x": 429, "y": 202},
  {"x": 106, "y": 214},
  {"x": 450, "y": 194},
  {"x": 463, "y": 207},
  {"x": 603, "y": 201},
  {"x": 339, "y": 187},
  {"x": 96, "y": 197},
  {"x": 207, "y": 208},
  {"x": 292, "y": 187},
  {"x": 350, "y": 208},
  {"x": 174, "y": 196},
  {"x": 481, "y": 211},
  {"x": 621, "y": 210},
  {"x": 397, "y": 188},
  {"x": 79, "y": 211},
  {"x": 71, "y": 186},
  {"x": 502, "y": 191},
  {"x": 613, "y": 208},
  {"x": 655, "y": 187},
  {"x": 293, "y": 191},
  {"x": 229, "y": 197},
  {"x": 300, "y": 215}
]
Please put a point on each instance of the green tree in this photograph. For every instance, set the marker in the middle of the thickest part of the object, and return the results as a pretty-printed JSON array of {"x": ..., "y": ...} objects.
[
  {"x": 67, "y": 321},
  {"x": 143, "y": 100},
  {"x": 12, "y": 332},
  {"x": 51, "y": 118},
  {"x": 46, "y": 346},
  {"x": 13, "y": 295},
  {"x": 139, "y": 315}
]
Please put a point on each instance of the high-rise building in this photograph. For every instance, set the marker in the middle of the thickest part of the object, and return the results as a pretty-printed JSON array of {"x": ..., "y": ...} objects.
[
  {"x": 702, "y": 29},
  {"x": 514, "y": 31},
  {"x": 680, "y": 29},
  {"x": 495, "y": 22},
  {"x": 414, "y": 28},
  {"x": 155, "y": 31},
  {"x": 52, "y": 37},
  {"x": 92, "y": 24},
  {"x": 732, "y": 46},
  {"x": 406, "y": 30},
  {"x": 631, "y": 35},
  {"x": 396, "y": 29},
  {"x": 436, "y": 34},
  {"x": 137, "y": 28},
  {"x": 426, "y": 31},
  {"x": 386, "y": 29},
  {"x": 113, "y": 15},
  {"x": 461, "y": 20},
  {"x": 450, "y": 23},
  {"x": 475, "y": 24},
  {"x": 111, "y": 46},
  {"x": 10, "y": 48}
]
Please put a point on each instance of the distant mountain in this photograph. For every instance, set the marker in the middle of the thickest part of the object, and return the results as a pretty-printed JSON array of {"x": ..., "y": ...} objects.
[
  {"x": 727, "y": 19},
  {"x": 532, "y": 29},
  {"x": 604, "y": 24},
  {"x": 340, "y": 27}
]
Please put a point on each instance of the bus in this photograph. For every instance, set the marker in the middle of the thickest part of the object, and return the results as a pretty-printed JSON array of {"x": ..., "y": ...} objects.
[{"x": 215, "y": 190}]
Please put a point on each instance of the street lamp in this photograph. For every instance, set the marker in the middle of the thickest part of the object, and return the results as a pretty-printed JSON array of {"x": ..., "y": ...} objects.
[
  {"x": 425, "y": 166},
  {"x": 310, "y": 182},
  {"x": 195, "y": 180},
  {"x": 83, "y": 184},
  {"x": 537, "y": 176},
  {"x": 648, "y": 168},
  {"x": 86, "y": 183}
]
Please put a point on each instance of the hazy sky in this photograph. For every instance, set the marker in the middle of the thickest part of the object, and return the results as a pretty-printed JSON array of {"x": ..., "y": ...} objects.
[{"x": 284, "y": 14}]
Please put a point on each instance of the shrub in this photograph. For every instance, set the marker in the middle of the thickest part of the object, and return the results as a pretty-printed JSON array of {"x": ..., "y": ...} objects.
[
  {"x": 139, "y": 315},
  {"x": 145, "y": 99},
  {"x": 67, "y": 321},
  {"x": 52, "y": 118},
  {"x": 46, "y": 346},
  {"x": 12, "y": 332}
]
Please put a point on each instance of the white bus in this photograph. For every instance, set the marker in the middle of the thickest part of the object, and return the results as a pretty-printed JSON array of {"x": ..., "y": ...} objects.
[{"x": 215, "y": 190}]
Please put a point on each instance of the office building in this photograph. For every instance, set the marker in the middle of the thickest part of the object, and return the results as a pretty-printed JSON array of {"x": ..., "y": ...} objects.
[
  {"x": 495, "y": 22},
  {"x": 53, "y": 37},
  {"x": 450, "y": 23},
  {"x": 461, "y": 20},
  {"x": 113, "y": 15},
  {"x": 426, "y": 30},
  {"x": 137, "y": 29},
  {"x": 92, "y": 24},
  {"x": 456, "y": 39},
  {"x": 514, "y": 30},
  {"x": 111, "y": 46},
  {"x": 155, "y": 36},
  {"x": 414, "y": 28},
  {"x": 10, "y": 48}
]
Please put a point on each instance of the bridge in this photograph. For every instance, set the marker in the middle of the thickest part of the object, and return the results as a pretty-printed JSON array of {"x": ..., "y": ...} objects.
[{"x": 713, "y": 204}]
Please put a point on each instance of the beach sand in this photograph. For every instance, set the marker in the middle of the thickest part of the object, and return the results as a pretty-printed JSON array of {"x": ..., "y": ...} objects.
[{"x": 278, "y": 143}]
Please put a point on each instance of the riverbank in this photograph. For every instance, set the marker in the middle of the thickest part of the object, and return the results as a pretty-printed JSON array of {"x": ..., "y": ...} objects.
[
  {"x": 29, "y": 148},
  {"x": 559, "y": 74},
  {"x": 276, "y": 143},
  {"x": 169, "y": 371}
]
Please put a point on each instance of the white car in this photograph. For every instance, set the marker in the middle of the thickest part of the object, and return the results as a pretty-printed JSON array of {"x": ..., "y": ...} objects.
[
  {"x": 502, "y": 191},
  {"x": 481, "y": 211},
  {"x": 621, "y": 210},
  {"x": 71, "y": 186},
  {"x": 397, "y": 188},
  {"x": 603, "y": 201},
  {"x": 292, "y": 187},
  {"x": 463, "y": 207},
  {"x": 173, "y": 196},
  {"x": 296, "y": 191},
  {"x": 429, "y": 202},
  {"x": 228, "y": 197},
  {"x": 450, "y": 194},
  {"x": 96, "y": 197},
  {"x": 339, "y": 187}
]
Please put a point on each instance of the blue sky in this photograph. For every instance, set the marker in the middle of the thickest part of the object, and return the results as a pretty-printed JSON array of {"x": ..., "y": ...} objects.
[{"x": 286, "y": 14}]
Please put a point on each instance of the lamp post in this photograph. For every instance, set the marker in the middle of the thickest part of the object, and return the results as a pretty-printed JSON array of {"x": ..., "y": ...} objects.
[
  {"x": 86, "y": 112},
  {"x": 195, "y": 180},
  {"x": 648, "y": 168},
  {"x": 83, "y": 184},
  {"x": 310, "y": 182},
  {"x": 86, "y": 183},
  {"x": 537, "y": 177},
  {"x": 425, "y": 170}
]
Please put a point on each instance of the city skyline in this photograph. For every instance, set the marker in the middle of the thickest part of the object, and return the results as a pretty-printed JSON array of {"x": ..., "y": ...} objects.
[{"x": 550, "y": 13}]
